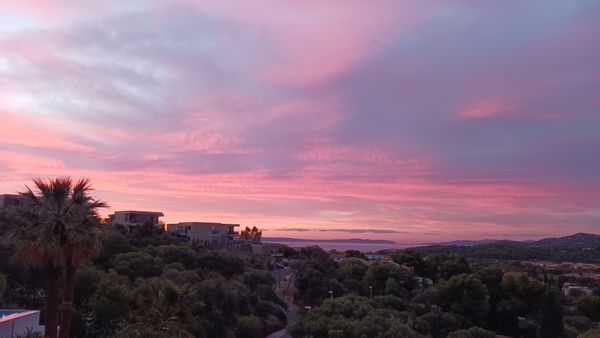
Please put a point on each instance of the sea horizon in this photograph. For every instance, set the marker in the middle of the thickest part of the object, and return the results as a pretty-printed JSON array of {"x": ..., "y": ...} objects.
[{"x": 332, "y": 245}]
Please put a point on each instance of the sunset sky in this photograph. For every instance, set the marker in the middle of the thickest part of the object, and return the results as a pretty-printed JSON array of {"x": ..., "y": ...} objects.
[{"x": 403, "y": 120}]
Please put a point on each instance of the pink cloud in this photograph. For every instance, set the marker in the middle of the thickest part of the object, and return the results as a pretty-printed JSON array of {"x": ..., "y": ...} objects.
[
  {"x": 30, "y": 131},
  {"x": 486, "y": 108},
  {"x": 315, "y": 41}
]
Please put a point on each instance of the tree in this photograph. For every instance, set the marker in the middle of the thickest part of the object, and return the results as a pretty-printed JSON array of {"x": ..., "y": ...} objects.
[
  {"x": 250, "y": 326},
  {"x": 81, "y": 244},
  {"x": 113, "y": 243},
  {"x": 355, "y": 254},
  {"x": 59, "y": 236},
  {"x": 254, "y": 278},
  {"x": 227, "y": 264},
  {"x": 109, "y": 305},
  {"x": 352, "y": 316},
  {"x": 446, "y": 266},
  {"x": 159, "y": 307},
  {"x": 412, "y": 259},
  {"x": 466, "y": 296},
  {"x": 178, "y": 254},
  {"x": 437, "y": 323},
  {"x": 552, "y": 318},
  {"x": 590, "y": 306},
  {"x": 392, "y": 287},
  {"x": 474, "y": 332},
  {"x": 251, "y": 235},
  {"x": 378, "y": 274},
  {"x": 137, "y": 264},
  {"x": 354, "y": 268},
  {"x": 351, "y": 273}
]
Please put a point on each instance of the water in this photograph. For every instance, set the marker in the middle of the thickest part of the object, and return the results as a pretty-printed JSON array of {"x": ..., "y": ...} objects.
[{"x": 364, "y": 247}]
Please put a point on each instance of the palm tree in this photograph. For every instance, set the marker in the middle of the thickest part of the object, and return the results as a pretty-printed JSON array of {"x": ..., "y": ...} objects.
[
  {"x": 81, "y": 244},
  {"x": 58, "y": 236}
]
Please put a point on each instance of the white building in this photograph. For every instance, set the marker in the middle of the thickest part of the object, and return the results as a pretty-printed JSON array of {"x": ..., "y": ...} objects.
[
  {"x": 132, "y": 218},
  {"x": 205, "y": 232},
  {"x": 570, "y": 288},
  {"x": 18, "y": 322}
]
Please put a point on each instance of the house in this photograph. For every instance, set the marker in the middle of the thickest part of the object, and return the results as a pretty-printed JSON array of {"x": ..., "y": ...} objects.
[
  {"x": 378, "y": 258},
  {"x": 570, "y": 289},
  {"x": 11, "y": 200},
  {"x": 205, "y": 232},
  {"x": 132, "y": 218},
  {"x": 19, "y": 322}
]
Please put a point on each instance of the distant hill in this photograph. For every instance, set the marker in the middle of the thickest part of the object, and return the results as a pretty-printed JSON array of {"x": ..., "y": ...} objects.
[
  {"x": 580, "y": 247},
  {"x": 581, "y": 239},
  {"x": 345, "y": 241},
  {"x": 466, "y": 242}
]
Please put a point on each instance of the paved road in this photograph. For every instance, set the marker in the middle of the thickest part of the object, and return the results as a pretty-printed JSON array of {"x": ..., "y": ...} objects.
[
  {"x": 282, "y": 276},
  {"x": 291, "y": 319},
  {"x": 280, "y": 334}
]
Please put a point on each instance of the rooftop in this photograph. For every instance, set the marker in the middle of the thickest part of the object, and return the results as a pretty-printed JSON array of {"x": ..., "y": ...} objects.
[
  {"x": 139, "y": 212},
  {"x": 7, "y": 315},
  {"x": 205, "y": 223}
]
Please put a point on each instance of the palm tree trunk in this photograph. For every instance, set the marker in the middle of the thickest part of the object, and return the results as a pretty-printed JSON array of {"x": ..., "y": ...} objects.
[
  {"x": 55, "y": 276},
  {"x": 66, "y": 311}
]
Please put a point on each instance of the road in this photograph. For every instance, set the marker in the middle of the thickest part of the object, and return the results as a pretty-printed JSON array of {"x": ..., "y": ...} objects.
[
  {"x": 281, "y": 274},
  {"x": 282, "y": 279},
  {"x": 280, "y": 334}
]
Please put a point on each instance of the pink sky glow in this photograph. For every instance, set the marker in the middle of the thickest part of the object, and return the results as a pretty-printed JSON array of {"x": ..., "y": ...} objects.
[{"x": 415, "y": 121}]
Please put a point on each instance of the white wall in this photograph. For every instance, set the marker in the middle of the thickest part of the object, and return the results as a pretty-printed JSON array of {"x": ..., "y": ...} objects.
[{"x": 19, "y": 325}]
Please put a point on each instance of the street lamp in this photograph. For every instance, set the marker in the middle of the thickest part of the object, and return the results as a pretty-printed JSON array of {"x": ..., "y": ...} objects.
[
  {"x": 370, "y": 292},
  {"x": 330, "y": 294}
]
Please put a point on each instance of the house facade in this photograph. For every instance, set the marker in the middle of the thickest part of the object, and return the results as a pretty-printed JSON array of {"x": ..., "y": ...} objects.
[
  {"x": 11, "y": 200},
  {"x": 132, "y": 218},
  {"x": 205, "y": 232},
  {"x": 19, "y": 322}
]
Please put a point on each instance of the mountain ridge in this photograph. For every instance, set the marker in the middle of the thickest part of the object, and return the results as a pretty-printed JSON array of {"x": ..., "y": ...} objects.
[
  {"x": 575, "y": 239},
  {"x": 579, "y": 247}
]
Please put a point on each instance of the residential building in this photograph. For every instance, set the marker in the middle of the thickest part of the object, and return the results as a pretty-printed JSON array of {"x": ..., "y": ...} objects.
[
  {"x": 11, "y": 200},
  {"x": 19, "y": 322},
  {"x": 205, "y": 232},
  {"x": 371, "y": 257},
  {"x": 570, "y": 289},
  {"x": 132, "y": 218}
]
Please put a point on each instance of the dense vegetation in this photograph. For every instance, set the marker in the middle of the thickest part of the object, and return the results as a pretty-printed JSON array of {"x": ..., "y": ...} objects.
[
  {"x": 440, "y": 295},
  {"x": 147, "y": 280},
  {"x": 141, "y": 283}
]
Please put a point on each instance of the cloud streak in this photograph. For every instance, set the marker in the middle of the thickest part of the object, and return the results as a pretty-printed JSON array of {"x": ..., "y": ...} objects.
[{"x": 352, "y": 231}]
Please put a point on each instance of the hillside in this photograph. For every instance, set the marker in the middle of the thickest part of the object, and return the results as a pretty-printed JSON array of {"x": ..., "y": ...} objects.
[{"x": 580, "y": 247}]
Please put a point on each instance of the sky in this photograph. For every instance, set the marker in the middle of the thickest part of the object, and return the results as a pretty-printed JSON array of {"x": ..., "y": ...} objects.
[{"x": 413, "y": 121}]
